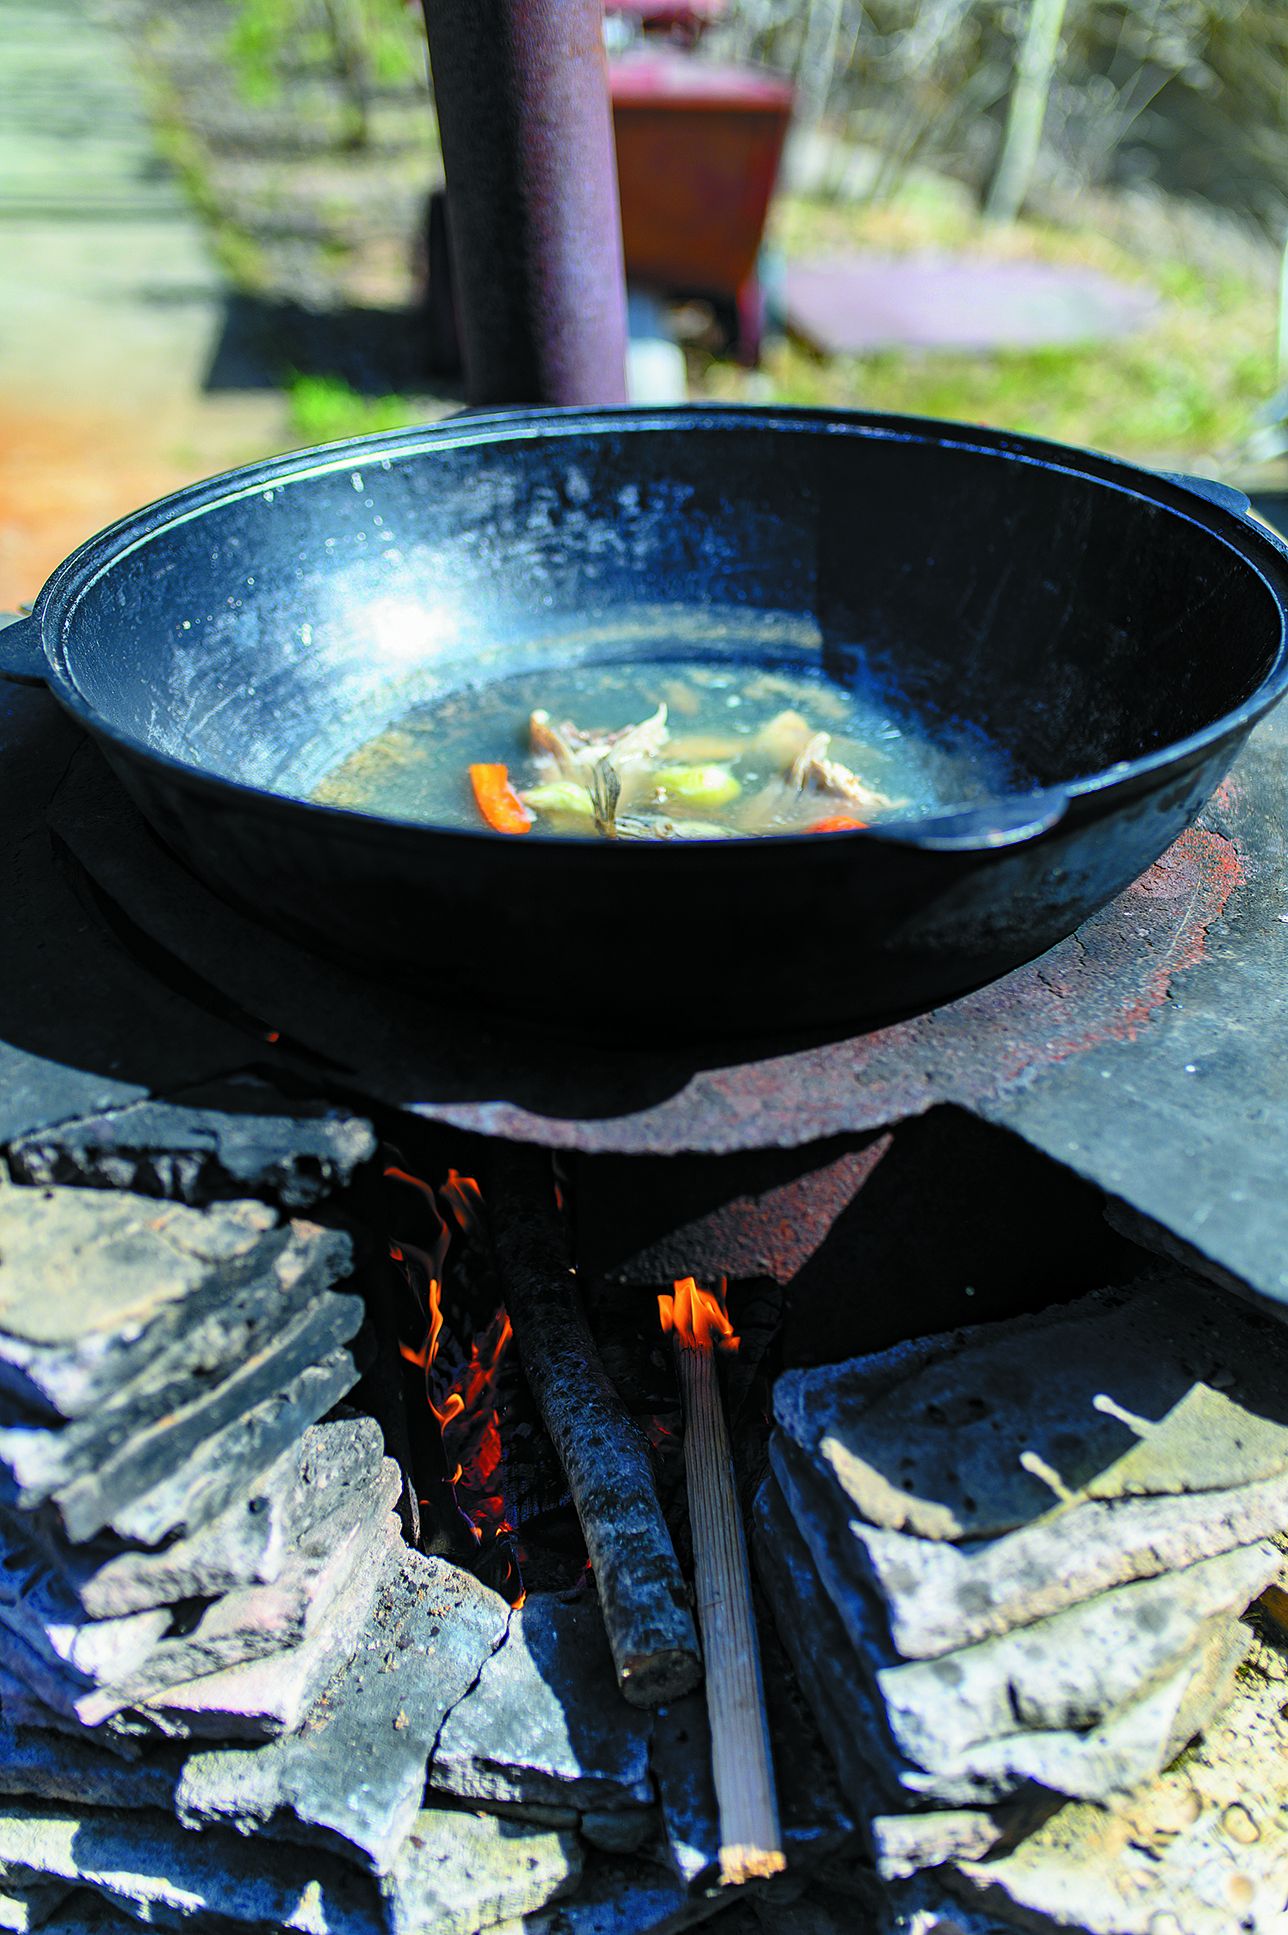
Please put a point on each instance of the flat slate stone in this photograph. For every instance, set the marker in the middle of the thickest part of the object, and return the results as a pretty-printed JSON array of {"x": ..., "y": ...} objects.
[
  {"x": 86, "y": 1480},
  {"x": 93, "y": 1286},
  {"x": 937, "y": 1595},
  {"x": 352, "y": 1776},
  {"x": 1068, "y": 1671},
  {"x": 247, "y": 1544},
  {"x": 214, "y": 1473},
  {"x": 156, "y": 1871},
  {"x": 299, "y": 1266},
  {"x": 1201, "y": 1850},
  {"x": 458, "y": 1873},
  {"x": 1130, "y": 1746},
  {"x": 258, "y": 1621},
  {"x": 616, "y": 1897},
  {"x": 1073, "y": 1671},
  {"x": 262, "y": 1698},
  {"x": 545, "y": 1723},
  {"x": 840, "y": 1697},
  {"x": 85, "y": 1913},
  {"x": 989, "y": 1790},
  {"x": 1163, "y": 1389},
  {"x": 26, "y": 1908},
  {"x": 37, "y": 1764},
  {"x": 38, "y": 1609},
  {"x": 234, "y": 1138}
]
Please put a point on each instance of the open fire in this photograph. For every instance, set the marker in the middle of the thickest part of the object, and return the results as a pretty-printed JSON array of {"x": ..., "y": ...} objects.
[{"x": 463, "y": 1371}]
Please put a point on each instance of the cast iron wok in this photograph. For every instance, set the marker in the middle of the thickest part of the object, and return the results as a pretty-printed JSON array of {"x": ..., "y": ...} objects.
[{"x": 1117, "y": 632}]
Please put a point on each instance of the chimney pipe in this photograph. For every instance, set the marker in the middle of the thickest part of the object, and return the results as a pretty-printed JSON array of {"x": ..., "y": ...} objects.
[{"x": 526, "y": 126}]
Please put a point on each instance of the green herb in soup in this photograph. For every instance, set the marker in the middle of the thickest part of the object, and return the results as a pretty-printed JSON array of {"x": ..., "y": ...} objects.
[{"x": 663, "y": 751}]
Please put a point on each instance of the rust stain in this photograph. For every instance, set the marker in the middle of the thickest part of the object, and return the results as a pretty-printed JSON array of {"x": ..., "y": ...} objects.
[{"x": 1199, "y": 874}]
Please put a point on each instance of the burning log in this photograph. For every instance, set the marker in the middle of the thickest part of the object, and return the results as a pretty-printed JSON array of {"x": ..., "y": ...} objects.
[
  {"x": 742, "y": 1767},
  {"x": 641, "y": 1589}
]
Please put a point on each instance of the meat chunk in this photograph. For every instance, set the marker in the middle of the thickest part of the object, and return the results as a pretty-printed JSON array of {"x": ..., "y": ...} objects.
[{"x": 813, "y": 772}]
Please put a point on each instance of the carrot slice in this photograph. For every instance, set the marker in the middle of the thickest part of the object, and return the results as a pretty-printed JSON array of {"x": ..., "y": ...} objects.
[
  {"x": 838, "y": 823},
  {"x": 497, "y": 800}
]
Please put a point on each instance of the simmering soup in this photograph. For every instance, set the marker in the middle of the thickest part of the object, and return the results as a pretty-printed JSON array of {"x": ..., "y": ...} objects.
[{"x": 660, "y": 750}]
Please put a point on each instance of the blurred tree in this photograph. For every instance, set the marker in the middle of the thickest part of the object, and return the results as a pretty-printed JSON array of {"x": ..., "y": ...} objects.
[
  {"x": 362, "y": 45},
  {"x": 1189, "y": 94},
  {"x": 1035, "y": 69}
]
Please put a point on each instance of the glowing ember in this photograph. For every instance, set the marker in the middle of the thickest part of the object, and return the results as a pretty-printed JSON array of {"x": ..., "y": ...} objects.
[
  {"x": 461, "y": 1388},
  {"x": 697, "y": 1318}
]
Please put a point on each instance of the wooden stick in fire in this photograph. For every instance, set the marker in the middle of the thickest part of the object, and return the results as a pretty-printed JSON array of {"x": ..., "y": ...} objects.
[
  {"x": 641, "y": 1589},
  {"x": 750, "y": 1837}
]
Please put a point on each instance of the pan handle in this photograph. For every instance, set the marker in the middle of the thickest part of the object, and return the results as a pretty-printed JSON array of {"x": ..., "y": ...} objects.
[
  {"x": 1225, "y": 496},
  {"x": 22, "y": 655},
  {"x": 1006, "y": 822}
]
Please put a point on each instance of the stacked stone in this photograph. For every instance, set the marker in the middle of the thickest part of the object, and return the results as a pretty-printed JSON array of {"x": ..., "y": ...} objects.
[
  {"x": 228, "y": 1689},
  {"x": 1011, "y": 1565},
  {"x": 169, "y": 1508}
]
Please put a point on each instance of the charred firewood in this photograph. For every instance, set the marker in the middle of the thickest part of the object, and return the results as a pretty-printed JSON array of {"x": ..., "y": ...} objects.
[{"x": 641, "y": 1590}]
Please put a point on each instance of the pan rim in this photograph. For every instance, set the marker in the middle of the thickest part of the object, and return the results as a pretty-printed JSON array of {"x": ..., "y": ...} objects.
[{"x": 74, "y": 579}]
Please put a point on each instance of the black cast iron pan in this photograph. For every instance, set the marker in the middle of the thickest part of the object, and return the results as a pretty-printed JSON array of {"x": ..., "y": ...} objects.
[{"x": 1117, "y": 632}]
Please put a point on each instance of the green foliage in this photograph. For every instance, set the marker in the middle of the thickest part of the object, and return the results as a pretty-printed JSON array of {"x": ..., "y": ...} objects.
[
  {"x": 325, "y": 409},
  {"x": 363, "y": 45}
]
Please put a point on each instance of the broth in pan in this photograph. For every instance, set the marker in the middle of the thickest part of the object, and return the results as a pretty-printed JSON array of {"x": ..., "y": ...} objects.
[{"x": 661, "y": 750}]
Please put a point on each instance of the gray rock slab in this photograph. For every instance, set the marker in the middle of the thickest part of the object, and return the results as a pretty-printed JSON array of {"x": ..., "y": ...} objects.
[
  {"x": 1200, "y": 1850},
  {"x": 157, "y": 1872},
  {"x": 1069, "y": 1671},
  {"x": 250, "y": 1315},
  {"x": 93, "y": 1282},
  {"x": 1073, "y": 1671},
  {"x": 614, "y": 1830},
  {"x": 923, "y": 1906},
  {"x": 993, "y": 1777},
  {"x": 244, "y": 1545},
  {"x": 1132, "y": 1745},
  {"x": 458, "y": 1873},
  {"x": 37, "y": 1764},
  {"x": 260, "y": 1621},
  {"x": 908, "y": 1844},
  {"x": 937, "y": 1596},
  {"x": 239, "y": 1137},
  {"x": 85, "y": 1913},
  {"x": 620, "y": 1898},
  {"x": 212, "y": 1475},
  {"x": 38, "y": 1609},
  {"x": 26, "y": 1908},
  {"x": 840, "y": 1697},
  {"x": 1163, "y": 1389},
  {"x": 85, "y": 1490},
  {"x": 352, "y": 1776},
  {"x": 261, "y": 1698},
  {"x": 546, "y": 1723}
]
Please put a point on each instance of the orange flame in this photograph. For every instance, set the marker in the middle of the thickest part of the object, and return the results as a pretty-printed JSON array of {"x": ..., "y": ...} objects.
[
  {"x": 697, "y": 1318},
  {"x": 465, "y": 1200},
  {"x": 463, "y": 1399}
]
